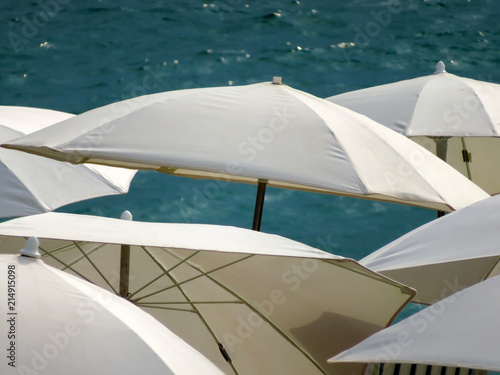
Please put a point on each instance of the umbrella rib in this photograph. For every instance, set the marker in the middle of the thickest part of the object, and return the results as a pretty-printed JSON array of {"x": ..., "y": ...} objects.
[
  {"x": 164, "y": 272},
  {"x": 62, "y": 248},
  {"x": 69, "y": 265},
  {"x": 48, "y": 253},
  {"x": 251, "y": 307},
  {"x": 188, "y": 280},
  {"x": 263, "y": 317},
  {"x": 200, "y": 316},
  {"x": 490, "y": 270},
  {"x": 343, "y": 263},
  {"x": 195, "y": 302},
  {"x": 74, "y": 243},
  {"x": 146, "y": 285},
  {"x": 168, "y": 308},
  {"x": 93, "y": 265}
]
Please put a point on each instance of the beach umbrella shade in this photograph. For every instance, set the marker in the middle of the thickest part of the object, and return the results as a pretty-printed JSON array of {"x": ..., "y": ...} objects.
[
  {"x": 32, "y": 184},
  {"x": 57, "y": 324},
  {"x": 445, "y": 255},
  {"x": 459, "y": 331},
  {"x": 456, "y": 118},
  {"x": 265, "y": 134},
  {"x": 253, "y": 303}
]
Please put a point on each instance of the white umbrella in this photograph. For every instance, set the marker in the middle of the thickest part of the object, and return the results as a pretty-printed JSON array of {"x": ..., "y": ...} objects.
[
  {"x": 456, "y": 118},
  {"x": 32, "y": 185},
  {"x": 445, "y": 255},
  {"x": 253, "y": 303},
  {"x": 265, "y": 133},
  {"x": 57, "y": 324},
  {"x": 460, "y": 331}
]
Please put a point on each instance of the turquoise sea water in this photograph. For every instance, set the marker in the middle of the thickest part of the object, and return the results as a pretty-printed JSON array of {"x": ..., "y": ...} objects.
[{"x": 73, "y": 56}]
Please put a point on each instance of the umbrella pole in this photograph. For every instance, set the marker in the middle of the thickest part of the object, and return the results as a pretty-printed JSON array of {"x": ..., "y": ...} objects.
[
  {"x": 125, "y": 262},
  {"x": 259, "y": 205},
  {"x": 441, "y": 151},
  {"x": 124, "y": 270},
  {"x": 441, "y": 147},
  {"x": 467, "y": 158}
]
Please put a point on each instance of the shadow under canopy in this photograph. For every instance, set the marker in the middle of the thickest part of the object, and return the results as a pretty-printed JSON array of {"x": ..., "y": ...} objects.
[{"x": 234, "y": 294}]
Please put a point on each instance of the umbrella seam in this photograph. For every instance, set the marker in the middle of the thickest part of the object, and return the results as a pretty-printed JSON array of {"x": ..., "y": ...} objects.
[
  {"x": 409, "y": 132},
  {"x": 325, "y": 121},
  {"x": 38, "y": 200}
]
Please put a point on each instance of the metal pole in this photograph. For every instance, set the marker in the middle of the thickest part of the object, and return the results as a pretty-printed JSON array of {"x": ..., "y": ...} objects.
[
  {"x": 259, "y": 205},
  {"x": 467, "y": 158},
  {"x": 124, "y": 270},
  {"x": 441, "y": 151},
  {"x": 441, "y": 147},
  {"x": 125, "y": 262}
]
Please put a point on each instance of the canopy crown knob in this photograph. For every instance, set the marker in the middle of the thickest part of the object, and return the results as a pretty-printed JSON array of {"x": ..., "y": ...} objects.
[
  {"x": 31, "y": 248},
  {"x": 126, "y": 215},
  {"x": 440, "y": 67}
]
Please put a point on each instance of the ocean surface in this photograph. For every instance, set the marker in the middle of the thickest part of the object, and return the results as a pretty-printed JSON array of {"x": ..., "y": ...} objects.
[{"x": 73, "y": 56}]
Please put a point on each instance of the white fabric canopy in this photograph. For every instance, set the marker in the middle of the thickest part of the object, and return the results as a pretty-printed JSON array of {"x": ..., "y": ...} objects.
[
  {"x": 437, "y": 107},
  {"x": 274, "y": 305},
  {"x": 460, "y": 331},
  {"x": 59, "y": 324},
  {"x": 32, "y": 185},
  {"x": 262, "y": 132},
  {"x": 445, "y": 255}
]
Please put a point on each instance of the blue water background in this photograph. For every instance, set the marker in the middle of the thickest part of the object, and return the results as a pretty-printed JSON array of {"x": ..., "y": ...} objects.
[{"x": 73, "y": 56}]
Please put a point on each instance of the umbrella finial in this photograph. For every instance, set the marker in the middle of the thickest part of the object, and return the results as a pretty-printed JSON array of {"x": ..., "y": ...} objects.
[
  {"x": 126, "y": 215},
  {"x": 277, "y": 80},
  {"x": 440, "y": 68},
  {"x": 31, "y": 248}
]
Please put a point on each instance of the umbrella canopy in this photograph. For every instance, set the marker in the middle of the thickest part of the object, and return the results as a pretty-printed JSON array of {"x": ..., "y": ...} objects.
[
  {"x": 456, "y": 118},
  {"x": 234, "y": 294},
  {"x": 32, "y": 185},
  {"x": 445, "y": 255},
  {"x": 263, "y": 133},
  {"x": 460, "y": 331},
  {"x": 58, "y": 324}
]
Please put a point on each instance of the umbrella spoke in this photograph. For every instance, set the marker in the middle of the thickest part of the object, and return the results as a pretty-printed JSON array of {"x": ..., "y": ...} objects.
[
  {"x": 85, "y": 255},
  {"x": 66, "y": 267},
  {"x": 194, "y": 302},
  {"x": 146, "y": 285},
  {"x": 71, "y": 246},
  {"x": 63, "y": 248},
  {"x": 244, "y": 301},
  {"x": 164, "y": 272},
  {"x": 202, "y": 273},
  {"x": 493, "y": 266},
  {"x": 69, "y": 266},
  {"x": 167, "y": 308},
  {"x": 195, "y": 309},
  {"x": 160, "y": 305},
  {"x": 262, "y": 316}
]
